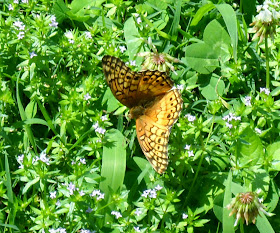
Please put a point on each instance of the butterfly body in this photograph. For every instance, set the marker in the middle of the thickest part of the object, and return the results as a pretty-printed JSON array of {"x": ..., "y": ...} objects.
[{"x": 153, "y": 102}]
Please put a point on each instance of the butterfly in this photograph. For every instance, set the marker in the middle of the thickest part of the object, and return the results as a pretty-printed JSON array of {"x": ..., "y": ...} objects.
[{"x": 153, "y": 102}]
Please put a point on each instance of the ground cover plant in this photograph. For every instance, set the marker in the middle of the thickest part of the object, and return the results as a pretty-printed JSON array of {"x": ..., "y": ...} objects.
[{"x": 69, "y": 156}]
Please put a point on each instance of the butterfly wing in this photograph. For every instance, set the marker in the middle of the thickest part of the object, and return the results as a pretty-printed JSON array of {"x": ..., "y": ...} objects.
[
  {"x": 153, "y": 140},
  {"x": 134, "y": 88},
  {"x": 153, "y": 128}
]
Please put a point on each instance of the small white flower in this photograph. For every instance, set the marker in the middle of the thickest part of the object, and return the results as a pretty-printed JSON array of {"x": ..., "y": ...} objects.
[
  {"x": 10, "y": 7},
  {"x": 229, "y": 125},
  {"x": 100, "y": 130},
  {"x": 95, "y": 126},
  {"x": 230, "y": 117},
  {"x": 258, "y": 130},
  {"x": 265, "y": 90},
  {"x": 190, "y": 117},
  {"x": 138, "y": 212},
  {"x": 138, "y": 20},
  {"x": 58, "y": 204},
  {"x": 24, "y": 1},
  {"x": 73, "y": 162},
  {"x": 87, "y": 96},
  {"x": 83, "y": 161},
  {"x": 71, "y": 187},
  {"x": 69, "y": 35},
  {"x": 137, "y": 229},
  {"x": 71, "y": 41},
  {"x": 20, "y": 35},
  {"x": 190, "y": 153},
  {"x": 16, "y": 1},
  {"x": 20, "y": 25},
  {"x": 185, "y": 216},
  {"x": 117, "y": 214},
  {"x": 248, "y": 100},
  {"x": 187, "y": 147},
  {"x": 44, "y": 158},
  {"x": 32, "y": 54},
  {"x": 53, "y": 22},
  {"x": 104, "y": 118},
  {"x": 95, "y": 193},
  {"x": 82, "y": 193},
  {"x": 264, "y": 16},
  {"x": 132, "y": 63},
  {"x": 153, "y": 194},
  {"x": 53, "y": 194},
  {"x": 20, "y": 158},
  {"x": 101, "y": 196},
  {"x": 180, "y": 87},
  {"x": 88, "y": 35},
  {"x": 158, "y": 187},
  {"x": 146, "y": 193},
  {"x": 122, "y": 48},
  {"x": 52, "y": 230},
  {"x": 89, "y": 210}
]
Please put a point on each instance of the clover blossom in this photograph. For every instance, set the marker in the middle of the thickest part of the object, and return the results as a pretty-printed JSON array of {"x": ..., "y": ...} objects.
[
  {"x": 246, "y": 206},
  {"x": 266, "y": 21}
]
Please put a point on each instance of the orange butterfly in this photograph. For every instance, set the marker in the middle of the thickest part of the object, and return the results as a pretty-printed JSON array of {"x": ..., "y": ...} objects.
[{"x": 153, "y": 102}]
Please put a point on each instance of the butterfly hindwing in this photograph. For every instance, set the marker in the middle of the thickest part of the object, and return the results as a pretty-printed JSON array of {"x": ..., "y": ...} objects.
[{"x": 153, "y": 140}]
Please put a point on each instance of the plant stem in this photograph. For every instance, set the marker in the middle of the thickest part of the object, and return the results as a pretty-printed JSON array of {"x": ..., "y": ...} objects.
[{"x": 267, "y": 63}]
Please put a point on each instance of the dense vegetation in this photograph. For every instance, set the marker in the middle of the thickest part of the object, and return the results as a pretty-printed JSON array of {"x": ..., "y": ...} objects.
[{"x": 69, "y": 156}]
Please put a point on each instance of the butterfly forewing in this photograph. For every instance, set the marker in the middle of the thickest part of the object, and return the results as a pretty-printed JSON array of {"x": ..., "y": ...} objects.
[
  {"x": 152, "y": 101},
  {"x": 134, "y": 88}
]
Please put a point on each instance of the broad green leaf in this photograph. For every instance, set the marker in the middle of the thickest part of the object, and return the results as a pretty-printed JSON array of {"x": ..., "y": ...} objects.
[
  {"x": 230, "y": 19},
  {"x": 112, "y": 102},
  {"x": 113, "y": 162},
  {"x": 205, "y": 57},
  {"x": 201, "y": 58},
  {"x": 273, "y": 155},
  {"x": 249, "y": 148},
  {"x": 60, "y": 10},
  {"x": 227, "y": 220},
  {"x": 216, "y": 36},
  {"x": 132, "y": 38},
  {"x": 263, "y": 224},
  {"x": 211, "y": 87}
]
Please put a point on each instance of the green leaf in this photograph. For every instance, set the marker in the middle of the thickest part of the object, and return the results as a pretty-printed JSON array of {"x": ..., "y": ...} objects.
[
  {"x": 249, "y": 148},
  {"x": 216, "y": 36},
  {"x": 29, "y": 184},
  {"x": 263, "y": 224},
  {"x": 132, "y": 38},
  {"x": 201, "y": 58},
  {"x": 227, "y": 220},
  {"x": 205, "y": 56},
  {"x": 229, "y": 17},
  {"x": 210, "y": 88},
  {"x": 273, "y": 155},
  {"x": 113, "y": 162},
  {"x": 201, "y": 12},
  {"x": 24, "y": 117},
  {"x": 176, "y": 21}
]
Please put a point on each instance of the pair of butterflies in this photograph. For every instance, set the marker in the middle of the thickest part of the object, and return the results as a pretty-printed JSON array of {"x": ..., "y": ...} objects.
[{"x": 153, "y": 102}]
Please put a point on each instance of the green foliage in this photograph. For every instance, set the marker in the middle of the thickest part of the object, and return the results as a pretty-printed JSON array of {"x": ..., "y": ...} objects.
[{"x": 69, "y": 157}]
